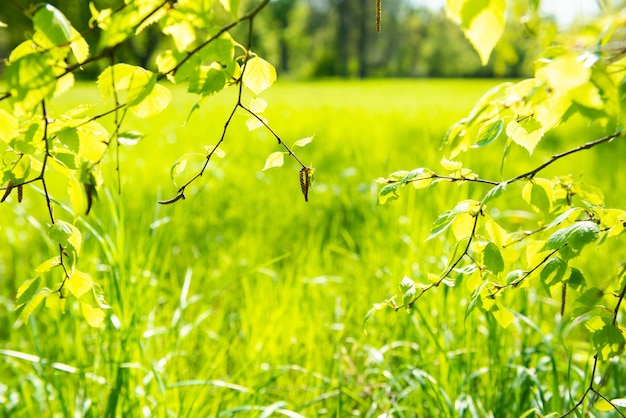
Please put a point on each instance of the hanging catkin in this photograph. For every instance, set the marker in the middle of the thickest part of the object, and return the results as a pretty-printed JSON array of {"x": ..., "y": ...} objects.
[{"x": 379, "y": 14}]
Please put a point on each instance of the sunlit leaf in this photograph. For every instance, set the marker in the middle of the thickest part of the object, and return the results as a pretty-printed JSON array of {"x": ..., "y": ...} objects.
[
  {"x": 212, "y": 150},
  {"x": 53, "y": 24},
  {"x": 388, "y": 193},
  {"x": 302, "y": 142},
  {"x": 275, "y": 159},
  {"x": 8, "y": 126},
  {"x": 258, "y": 105},
  {"x": 254, "y": 122},
  {"x": 489, "y": 133},
  {"x": 182, "y": 33},
  {"x": 259, "y": 75},
  {"x": 502, "y": 314},
  {"x": 526, "y": 133},
  {"x": 48, "y": 265},
  {"x": 93, "y": 316},
  {"x": 155, "y": 102},
  {"x": 482, "y": 23},
  {"x": 26, "y": 310},
  {"x": 75, "y": 191},
  {"x": 130, "y": 138},
  {"x": 492, "y": 258},
  {"x": 78, "y": 283},
  {"x": 27, "y": 290},
  {"x": 608, "y": 341},
  {"x": 538, "y": 194},
  {"x": 565, "y": 72},
  {"x": 30, "y": 79},
  {"x": 552, "y": 273},
  {"x": 56, "y": 303},
  {"x": 576, "y": 236}
]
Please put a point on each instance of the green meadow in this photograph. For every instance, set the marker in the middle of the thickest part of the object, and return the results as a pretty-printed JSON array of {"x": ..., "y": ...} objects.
[{"x": 245, "y": 300}]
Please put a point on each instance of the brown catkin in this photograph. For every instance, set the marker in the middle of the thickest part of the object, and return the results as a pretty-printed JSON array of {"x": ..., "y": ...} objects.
[
  {"x": 305, "y": 182},
  {"x": 20, "y": 193},
  {"x": 379, "y": 15}
]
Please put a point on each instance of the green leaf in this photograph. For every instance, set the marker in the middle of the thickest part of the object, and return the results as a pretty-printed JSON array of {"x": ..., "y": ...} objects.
[
  {"x": 590, "y": 297},
  {"x": 231, "y": 6},
  {"x": 445, "y": 219},
  {"x": 8, "y": 126},
  {"x": 576, "y": 279},
  {"x": 207, "y": 80},
  {"x": 489, "y": 133},
  {"x": 495, "y": 192},
  {"x": 526, "y": 133},
  {"x": 48, "y": 265},
  {"x": 220, "y": 50},
  {"x": 93, "y": 316},
  {"x": 154, "y": 102},
  {"x": 538, "y": 195},
  {"x": 130, "y": 138},
  {"x": 502, "y": 315},
  {"x": 388, "y": 193},
  {"x": 514, "y": 275},
  {"x": 275, "y": 159},
  {"x": 562, "y": 217},
  {"x": 53, "y": 25},
  {"x": 180, "y": 166},
  {"x": 259, "y": 75},
  {"x": 67, "y": 235},
  {"x": 182, "y": 33},
  {"x": 302, "y": 142},
  {"x": 482, "y": 22},
  {"x": 79, "y": 283},
  {"x": 608, "y": 341},
  {"x": 493, "y": 258},
  {"x": 27, "y": 290},
  {"x": 75, "y": 191},
  {"x": 26, "y": 310},
  {"x": 552, "y": 273},
  {"x": 576, "y": 236},
  {"x": 30, "y": 79}
]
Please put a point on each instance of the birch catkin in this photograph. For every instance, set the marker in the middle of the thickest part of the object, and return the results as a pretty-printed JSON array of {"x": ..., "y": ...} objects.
[{"x": 379, "y": 15}]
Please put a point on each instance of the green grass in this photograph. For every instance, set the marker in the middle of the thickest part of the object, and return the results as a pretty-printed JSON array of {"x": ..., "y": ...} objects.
[{"x": 243, "y": 300}]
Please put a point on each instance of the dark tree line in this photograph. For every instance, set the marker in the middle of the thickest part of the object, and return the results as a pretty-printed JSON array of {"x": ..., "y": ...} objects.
[{"x": 328, "y": 38}]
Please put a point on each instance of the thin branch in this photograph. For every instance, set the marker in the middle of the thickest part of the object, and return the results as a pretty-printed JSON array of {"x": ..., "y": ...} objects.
[
  {"x": 530, "y": 174},
  {"x": 249, "y": 16},
  {"x": 621, "y": 296},
  {"x": 589, "y": 389}
]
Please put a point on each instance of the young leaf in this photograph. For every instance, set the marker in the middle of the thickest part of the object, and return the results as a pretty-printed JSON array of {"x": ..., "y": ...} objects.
[
  {"x": 275, "y": 159},
  {"x": 302, "y": 142},
  {"x": 94, "y": 316},
  {"x": 26, "y": 310},
  {"x": 502, "y": 315},
  {"x": 493, "y": 258},
  {"x": 79, "y": 283},
  {"x": 258, "y": 105},
  {"x": 608, "y": 341},
  {"x": 526, "y": 133},
  {"x": 130, "y": 138},
  {"x": 482, "y": 22},
  {"x": 259, "y": 75},
  {"x": 30, "y": 79},
  {"x": 576, "y": 236},
  {"x": 388, "y": 193},
  {"x": 538, "y": 194},
  {"x": 47, "y": 265},
  {"x": 53, "y": 25},
  {"x": 489, "y": 133},
  {"x": 552, "y": 273},
  {"x": 27, "y": 290}
]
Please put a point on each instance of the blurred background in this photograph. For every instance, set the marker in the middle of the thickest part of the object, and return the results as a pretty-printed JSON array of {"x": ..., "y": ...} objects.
[{"x": 338, "y": 38}]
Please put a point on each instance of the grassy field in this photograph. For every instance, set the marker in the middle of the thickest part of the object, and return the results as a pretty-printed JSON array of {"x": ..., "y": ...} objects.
[{"x": 243, "y": 300}]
